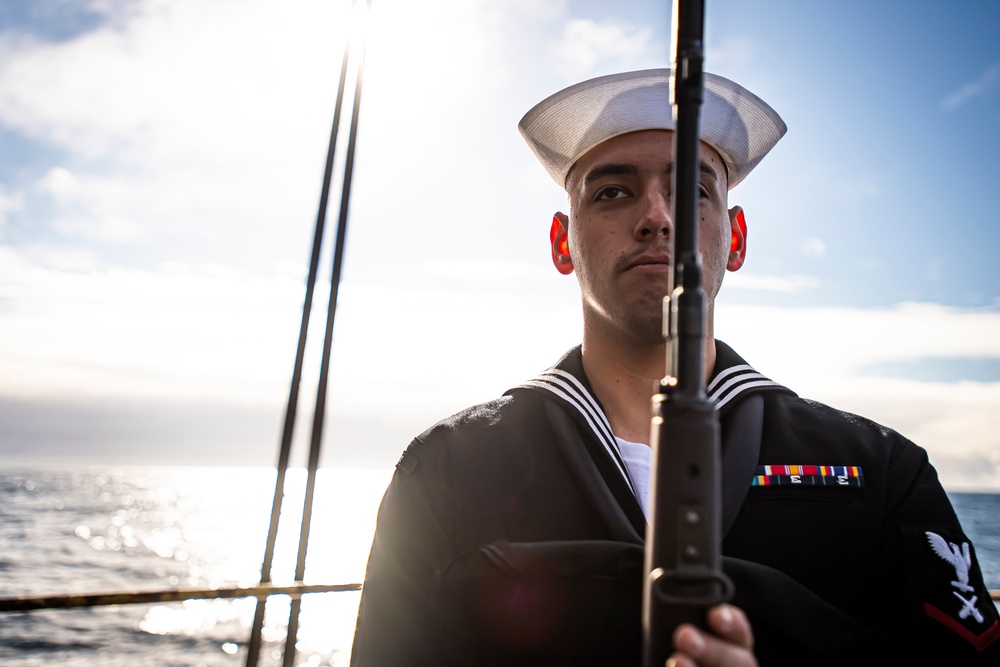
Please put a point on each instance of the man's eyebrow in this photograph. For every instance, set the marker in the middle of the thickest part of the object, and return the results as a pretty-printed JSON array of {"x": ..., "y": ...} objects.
[
  {"x": 609, "y": 169},
  {"x": 626, "y": 169},
  {"x": 703, "y": 167}
]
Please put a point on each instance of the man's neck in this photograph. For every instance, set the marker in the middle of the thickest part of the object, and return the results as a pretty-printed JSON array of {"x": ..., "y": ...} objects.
[{"x": 624, "y": 379}]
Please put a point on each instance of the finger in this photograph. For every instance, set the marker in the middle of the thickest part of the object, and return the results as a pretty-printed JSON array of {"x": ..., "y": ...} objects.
[
  {"x": 710, "y": 651},
  {"x": 679, "y": 660},
  {"x": 731, "y": 624}
]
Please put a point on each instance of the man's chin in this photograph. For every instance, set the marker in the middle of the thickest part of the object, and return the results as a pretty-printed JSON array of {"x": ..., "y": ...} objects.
[{"x": 645, "y": 332}]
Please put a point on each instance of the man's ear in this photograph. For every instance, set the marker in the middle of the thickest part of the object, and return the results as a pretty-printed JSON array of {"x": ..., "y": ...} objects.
[
  {"x": 738, "y": 245},
  {"x": 559, "y": 237}
]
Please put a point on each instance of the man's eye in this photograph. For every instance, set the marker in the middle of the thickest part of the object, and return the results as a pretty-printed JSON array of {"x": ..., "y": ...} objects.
[{"x": 611, "y": 192}]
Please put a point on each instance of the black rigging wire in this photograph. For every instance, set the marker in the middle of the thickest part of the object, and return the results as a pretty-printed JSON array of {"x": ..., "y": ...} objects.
[
  {"x": 253, "y": 647},
  {"x": 317, "y": 426}
]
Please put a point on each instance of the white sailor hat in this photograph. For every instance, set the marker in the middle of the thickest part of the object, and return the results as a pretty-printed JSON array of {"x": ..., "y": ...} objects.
[{"x": 564, "y": 126}]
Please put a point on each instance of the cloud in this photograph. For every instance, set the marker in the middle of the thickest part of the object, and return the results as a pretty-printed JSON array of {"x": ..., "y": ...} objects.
[
  {"x": 972, "y": 89},
  {"x": 827, "y": 353},
  {"x": 181, "y": 139},
  {"x": 115, "y": 208},
  {"x": 956, "y": 423},
  {"x": 80, "y": 327},
  {"x": 85, "y": 333},
  {"x": 173, "y": 125},
  {"x": 190, "y": 139},
  {"x": 85, "y": 429},
  {"x": 940, "y": 369},
  {"x": 135, "y": 88},
  {"x": 60, "y": 183},
  {"x": 585, "y": 45},
  {"x": 794, "y": 284},
  {"x": 732, "y": 53},
  {"x": 57, "y": 258},
  {"x": 76, "y": 326},
  {"x": 934, "y": 269},
  {"x": 813, "y": 247},
  {"x": 9, "y": 203},
  {"x": 119, "y": 352},
  {"x": 474, "y": 274},
  {"x": 838, "y": 343}
]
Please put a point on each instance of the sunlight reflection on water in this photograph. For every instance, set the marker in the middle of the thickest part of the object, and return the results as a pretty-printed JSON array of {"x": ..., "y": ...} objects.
[
  {"x": 148, "y": 528},
  {"x": 227, "y": 525}
]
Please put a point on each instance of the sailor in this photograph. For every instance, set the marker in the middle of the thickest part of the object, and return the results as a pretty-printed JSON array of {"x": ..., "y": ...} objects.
[{"x": 512, "y": 532}]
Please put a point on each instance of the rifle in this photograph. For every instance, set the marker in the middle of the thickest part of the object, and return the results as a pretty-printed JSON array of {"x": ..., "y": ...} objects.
[{"x": 684, "y": 575}]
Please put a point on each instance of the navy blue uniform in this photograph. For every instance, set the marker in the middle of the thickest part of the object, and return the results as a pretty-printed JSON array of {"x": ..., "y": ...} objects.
[{"x": 510, "y": 535}]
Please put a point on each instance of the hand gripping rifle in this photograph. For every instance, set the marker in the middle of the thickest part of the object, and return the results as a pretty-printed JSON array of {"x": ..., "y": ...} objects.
[{"x": 683, "y": 567}]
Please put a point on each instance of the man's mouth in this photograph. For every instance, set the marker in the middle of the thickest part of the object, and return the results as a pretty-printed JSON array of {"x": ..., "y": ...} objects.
[{"x": 653, "y": 263}]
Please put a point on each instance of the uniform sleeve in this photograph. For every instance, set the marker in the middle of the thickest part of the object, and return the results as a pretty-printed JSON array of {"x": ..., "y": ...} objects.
[
  {"x": 942, "y": 613},
  {"x": 402, "y": 622}
]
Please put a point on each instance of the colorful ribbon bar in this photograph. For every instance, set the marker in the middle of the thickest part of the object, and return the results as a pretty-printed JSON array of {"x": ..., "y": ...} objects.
[{"x": 809, "y": 475}]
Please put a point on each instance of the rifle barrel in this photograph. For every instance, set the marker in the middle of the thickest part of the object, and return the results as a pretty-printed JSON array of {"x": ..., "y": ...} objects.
[{"x": 683, "y": 565}]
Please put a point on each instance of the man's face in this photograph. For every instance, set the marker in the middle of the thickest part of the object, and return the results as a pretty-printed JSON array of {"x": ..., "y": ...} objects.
[{"x": 620, "y": 228}]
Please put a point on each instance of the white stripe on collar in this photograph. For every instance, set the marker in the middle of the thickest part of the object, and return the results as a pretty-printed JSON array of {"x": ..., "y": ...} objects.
[
  {"x": 734, "y": 381},
  {"x": 567, "y": 387},
  {"x": 723, "y": 388}
]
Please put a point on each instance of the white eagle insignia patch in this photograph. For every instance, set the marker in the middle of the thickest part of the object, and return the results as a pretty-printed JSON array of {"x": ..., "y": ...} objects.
[
  {"x": 944, "y": 576},
  {"x": 961, "y": 560}
]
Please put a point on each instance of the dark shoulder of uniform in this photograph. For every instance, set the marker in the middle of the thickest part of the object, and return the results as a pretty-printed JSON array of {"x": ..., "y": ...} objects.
[
  {"x": 806, "y": 432},
  {"x": 481, "y": 429}
]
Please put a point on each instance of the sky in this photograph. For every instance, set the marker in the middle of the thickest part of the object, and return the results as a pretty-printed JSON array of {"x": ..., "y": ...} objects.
[{"x": 160, "y": 170}]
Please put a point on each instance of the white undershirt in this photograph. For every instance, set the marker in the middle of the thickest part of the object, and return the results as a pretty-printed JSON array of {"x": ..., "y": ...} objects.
[{"x": 637, "y": 459}]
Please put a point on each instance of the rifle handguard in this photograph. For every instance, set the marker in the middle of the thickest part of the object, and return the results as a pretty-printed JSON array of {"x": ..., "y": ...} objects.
[{"x": 713, "y": 587}]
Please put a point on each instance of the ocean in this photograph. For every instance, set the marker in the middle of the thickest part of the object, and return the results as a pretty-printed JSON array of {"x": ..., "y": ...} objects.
[{"x": 144, "y": 528}]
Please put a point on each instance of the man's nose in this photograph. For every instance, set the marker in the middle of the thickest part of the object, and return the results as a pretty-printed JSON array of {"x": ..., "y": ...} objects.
[{"x": 655, "y": 217}]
